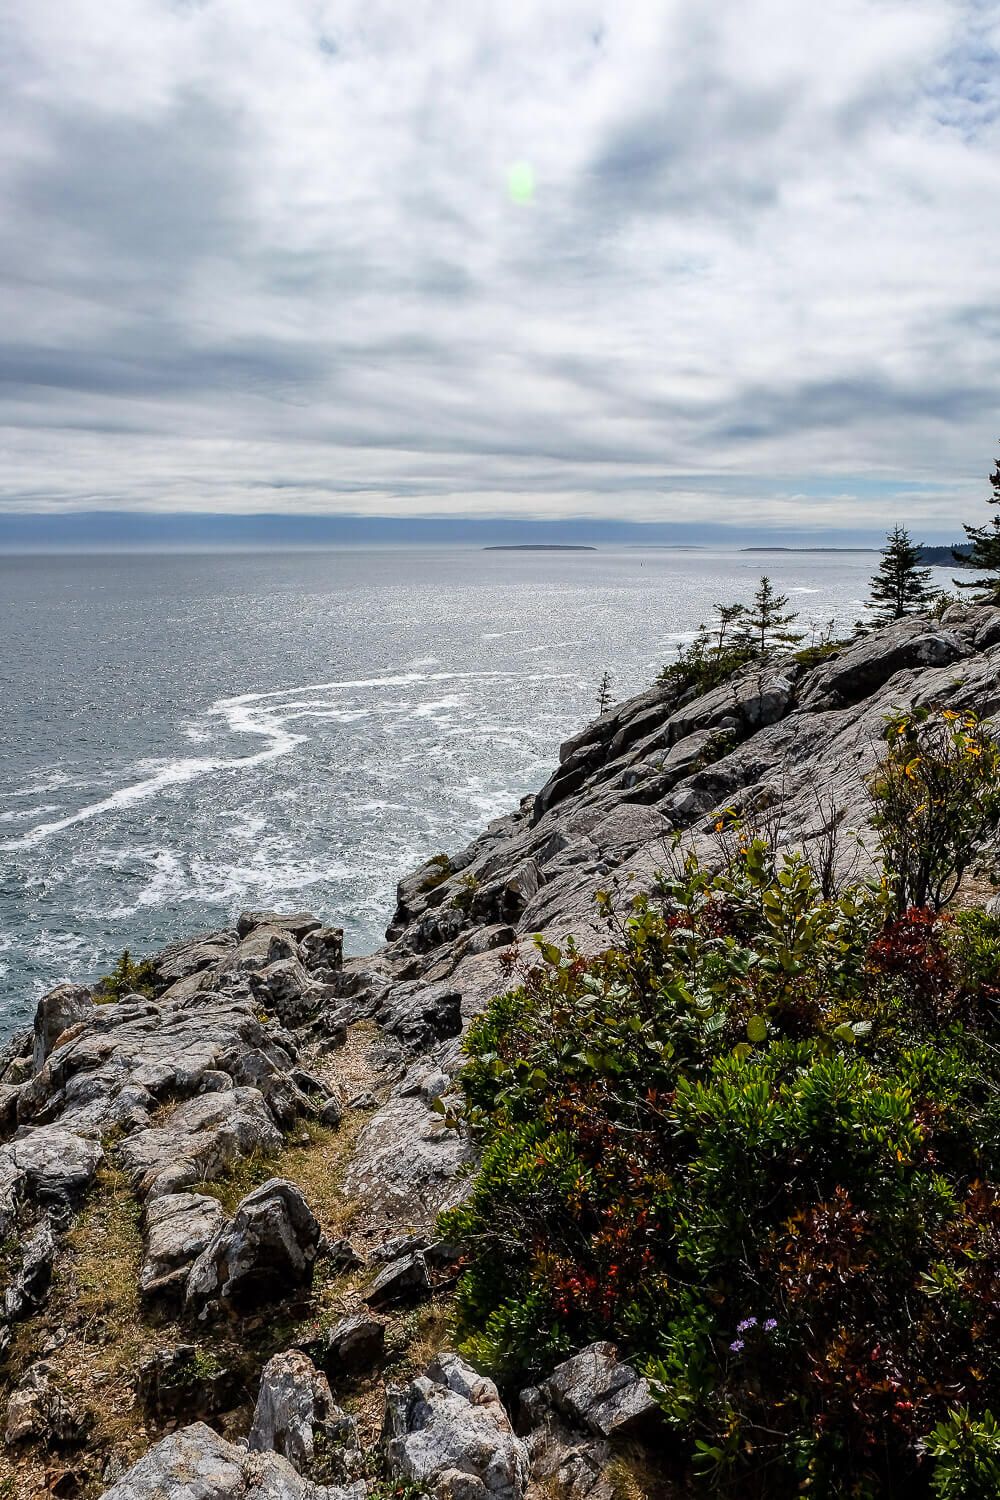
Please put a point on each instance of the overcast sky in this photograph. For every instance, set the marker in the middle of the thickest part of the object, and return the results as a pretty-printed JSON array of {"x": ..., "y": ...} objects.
[{"x": 661, "y": 259}]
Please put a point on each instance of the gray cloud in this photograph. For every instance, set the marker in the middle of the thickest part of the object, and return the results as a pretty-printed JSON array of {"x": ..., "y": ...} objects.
[{"x": 269, "y": 256}]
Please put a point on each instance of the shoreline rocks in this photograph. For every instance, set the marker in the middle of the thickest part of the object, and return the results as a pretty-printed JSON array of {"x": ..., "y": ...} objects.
[{"x": 250, "y": 1034}]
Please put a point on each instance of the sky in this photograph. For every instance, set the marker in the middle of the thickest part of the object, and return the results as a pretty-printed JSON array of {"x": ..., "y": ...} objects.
[{"x": 651, "y": 261}]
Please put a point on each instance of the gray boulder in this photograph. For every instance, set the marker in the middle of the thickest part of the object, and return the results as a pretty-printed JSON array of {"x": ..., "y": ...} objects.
[
  {"x": 178, "y": 1227},
  {"x": 50, "y": 1167},
  {"x": 39, "y": 1409},
  {"x": 448, "y": 1432},
  {"x": 572, "y": 1465},
  {"x": 30, "y": 1282},
  {"x": 597, "y": 1391},
  {"x": 16, "y": 1064},
  {"x": 406, "y": 1165},
  {"x": 403, "y": 1280},
  {"x": 285, "y": 990},
  {"x": 298, "y": 923},
  {"x": 57, "y": 1011},
  {"x": 353, "y": 1345},
  {"x": 128, "y": 1059},
  {"x": 194, "y": 955},
  {"x": 199, "y": 1140},
  {"x": 261, "y": 947},
  {"x": 322, "y": 950},
  {"x": 264, "y": 1251},
  {"x": 419, "y": 1014},
  {"x": 195, "y": 1463},
  {"x": 293, "y": 1405},
  {"x": 868, "y": 663}
]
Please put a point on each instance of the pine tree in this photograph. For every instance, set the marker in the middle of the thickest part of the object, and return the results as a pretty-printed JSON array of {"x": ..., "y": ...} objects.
[
  {"x": 764, "y": 624},
  {"x": 984, "y": 551},
  {"x": 900, "y": 586},
  {"x": 604, "y": 698}
]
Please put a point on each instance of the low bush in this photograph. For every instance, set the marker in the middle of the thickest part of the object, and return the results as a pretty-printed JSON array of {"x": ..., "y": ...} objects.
[
  {"x": 703, "y": 663},
  {"x": 127, "y": 978},
  {"x": 757, "y": 1143},
  {"x": 935, "y": 803}
]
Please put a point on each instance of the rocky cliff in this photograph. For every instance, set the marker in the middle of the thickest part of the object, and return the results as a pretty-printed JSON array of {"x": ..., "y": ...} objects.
[{"x": 218, "y": 1195}]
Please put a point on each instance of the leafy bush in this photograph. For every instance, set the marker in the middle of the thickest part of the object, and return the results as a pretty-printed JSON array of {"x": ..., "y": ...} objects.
[
  {"x": 757, "y": 1142},
  {"x": 968, "y": 1454},
  {"x": 703, "y": 663},
  {"x": 936, "y": 801}
]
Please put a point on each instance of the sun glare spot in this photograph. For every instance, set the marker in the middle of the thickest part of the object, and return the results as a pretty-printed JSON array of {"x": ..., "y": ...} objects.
[{"x": 521, "y": 182}]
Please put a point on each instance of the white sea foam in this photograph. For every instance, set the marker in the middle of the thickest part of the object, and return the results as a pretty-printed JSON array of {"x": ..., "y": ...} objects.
[
  {"x": 549, "y": 646},
  {"x": 55, "y": 783},
  {"x": 173, "y": 773},
  {"x": 22, "y": 814}
]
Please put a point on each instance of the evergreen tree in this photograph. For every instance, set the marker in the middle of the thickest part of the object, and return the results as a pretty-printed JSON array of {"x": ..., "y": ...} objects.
[
  {"x": 726, "y": 615},
  {"x": 984, "y": 551},
  {"x": 764, "y": 624},
  {"x": 604, "y": 698},
  {"x": 900, "y": 586}
]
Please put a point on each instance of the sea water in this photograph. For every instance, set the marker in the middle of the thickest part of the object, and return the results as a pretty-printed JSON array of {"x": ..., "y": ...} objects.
[{"x": 184, "y": 736}]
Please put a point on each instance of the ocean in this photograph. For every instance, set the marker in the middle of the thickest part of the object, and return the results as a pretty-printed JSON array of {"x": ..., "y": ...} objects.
[{"x": 186, "y": 735}]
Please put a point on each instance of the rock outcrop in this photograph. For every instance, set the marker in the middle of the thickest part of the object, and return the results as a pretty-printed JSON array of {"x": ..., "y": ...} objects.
[
  {"x": 449, "y": 1434},
  {"x": 264, "y": 1252},
  {"x": 197, "y": 1464},
  {"x": 294, "y": 1403},
  {"x": 261, "y": 1038},
  {"x": 788, "y": 745}
]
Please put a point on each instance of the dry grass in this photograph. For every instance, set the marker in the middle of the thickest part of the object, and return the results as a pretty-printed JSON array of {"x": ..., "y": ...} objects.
[
  {"x": 94, "y": 1317},
  {"x": 314, "y": 1157}
]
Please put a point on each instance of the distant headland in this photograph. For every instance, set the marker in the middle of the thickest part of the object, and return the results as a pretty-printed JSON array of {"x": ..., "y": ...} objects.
[
  {"x": 938, "y": 557},
  {"x": 539, "y": 547}
]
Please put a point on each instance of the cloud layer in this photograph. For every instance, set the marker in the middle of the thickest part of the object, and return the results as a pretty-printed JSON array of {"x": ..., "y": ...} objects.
[{"x": 281, "y": 255}]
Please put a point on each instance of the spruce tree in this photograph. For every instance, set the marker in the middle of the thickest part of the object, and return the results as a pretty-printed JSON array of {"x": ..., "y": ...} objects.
[
  {"x": 604, "y": 698},
  {"x": 900, "y": 586},
  {"x": 984, "y": 551},
  {"x": 764, "y": 624}
]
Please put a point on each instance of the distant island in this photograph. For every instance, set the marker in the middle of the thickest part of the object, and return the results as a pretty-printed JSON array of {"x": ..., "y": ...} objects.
[
  {"x": 937, "y": 557},
  {"x": 539, "y": 547},
  {"x": 809, "y": 549}
]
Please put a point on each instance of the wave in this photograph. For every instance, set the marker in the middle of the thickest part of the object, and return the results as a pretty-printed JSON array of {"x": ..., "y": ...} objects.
[
  {"x": 20, "y": 814},
  {"x": 174, "y": 773},
  {"x": 268, "y": 715}
]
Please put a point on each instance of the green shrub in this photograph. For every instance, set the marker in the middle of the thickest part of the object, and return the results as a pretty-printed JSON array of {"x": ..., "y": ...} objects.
[
  {"x": 465, "y": 896},
  {"x": 968, "y": 1457},
  {"x": 757, "y": 1143},
  {"x": 936, "y": 803},
  {"x": 126, "y": 978},
  {"x": 703, "y": 663}
]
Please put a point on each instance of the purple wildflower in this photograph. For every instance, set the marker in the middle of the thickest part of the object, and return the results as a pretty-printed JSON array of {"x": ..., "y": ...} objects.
[
  {"x": 736, "y": 1345},
  {"x": 746, "y": 1324},
  {"x": 770, "y": 1324}
]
